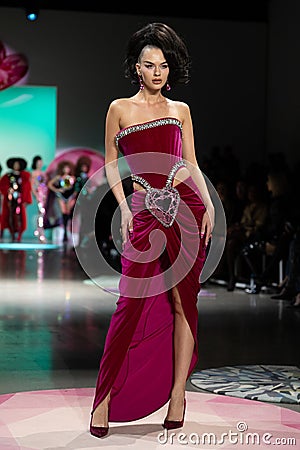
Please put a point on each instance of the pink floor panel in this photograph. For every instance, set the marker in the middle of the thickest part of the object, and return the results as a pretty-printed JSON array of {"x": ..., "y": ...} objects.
[{"x": 59, "y": 419}]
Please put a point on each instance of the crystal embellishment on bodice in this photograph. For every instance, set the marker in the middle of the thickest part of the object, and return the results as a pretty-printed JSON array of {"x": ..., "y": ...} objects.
[
  {"x": 146, "y": 126},
  {"x": 162, "y": 203}
]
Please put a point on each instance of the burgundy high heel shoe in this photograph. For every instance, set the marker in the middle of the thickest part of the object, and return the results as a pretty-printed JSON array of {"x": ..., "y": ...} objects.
[
  {"x": 98, "y": 432},
  {"x": 172, "y": 424}
]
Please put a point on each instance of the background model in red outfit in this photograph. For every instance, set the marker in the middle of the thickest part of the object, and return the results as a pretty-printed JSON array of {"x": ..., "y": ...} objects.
[{"x": 15, "y": 186}]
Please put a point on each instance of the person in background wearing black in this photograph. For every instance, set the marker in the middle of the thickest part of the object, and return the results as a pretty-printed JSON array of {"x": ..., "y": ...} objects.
[
  {"x": 275, "y": 237},
  {"x": 63, "y": 185},
  {"x": 289, "y": 289},
  {"x": 281, "y": 217},
  {"x": 82, "y": 170},
  {"x": 246, "y": 231}
]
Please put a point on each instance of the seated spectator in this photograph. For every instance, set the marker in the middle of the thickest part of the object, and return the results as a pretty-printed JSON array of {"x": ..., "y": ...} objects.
[
  {"x": 274, "y": 238},
  {"x": 228, "y": 201},
  {"x": 233, "y": 202},
  {"x": 241, "y": 197},
  {"x": 280, "y": 221},
  {"x": 246, "y": 231},
  {"x": 290, "y": 288}
]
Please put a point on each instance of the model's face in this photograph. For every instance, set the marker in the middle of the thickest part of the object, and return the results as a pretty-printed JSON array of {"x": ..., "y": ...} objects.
[
  {"x": 240, "y": 188},
  {"x": 84, "y": 168},
  {"x": 270, "y": 185},
  {"x": 153, "y": 68},
  {"x": 67, "y": 169},
  {"x": 16, "y": 166},
  {"x": 39, "y": 164},
  {"x": 252, "y": 194}
]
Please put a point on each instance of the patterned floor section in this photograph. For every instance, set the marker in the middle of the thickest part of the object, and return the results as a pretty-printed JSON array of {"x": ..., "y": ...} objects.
[
  {"x": 267, "y": 383},
  {"x": 59, "y": 419}
]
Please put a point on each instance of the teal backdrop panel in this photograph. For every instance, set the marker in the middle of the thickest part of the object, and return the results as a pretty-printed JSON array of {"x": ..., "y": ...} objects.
[{"x": 28, "y": 117}]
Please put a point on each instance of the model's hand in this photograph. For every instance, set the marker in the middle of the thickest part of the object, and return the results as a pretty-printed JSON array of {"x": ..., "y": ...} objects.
[
  {"x": 207, "y": 226},
  {"x": 126, "y": 225}
]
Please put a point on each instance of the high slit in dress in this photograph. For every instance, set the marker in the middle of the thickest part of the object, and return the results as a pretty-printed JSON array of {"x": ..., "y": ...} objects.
[{"x": 137, "y": 365}]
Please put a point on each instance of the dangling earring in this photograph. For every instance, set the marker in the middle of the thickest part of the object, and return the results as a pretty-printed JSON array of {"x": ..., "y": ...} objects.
[
  {"x": 141, "y": 82},
  {"x": 168, "y": 87}
]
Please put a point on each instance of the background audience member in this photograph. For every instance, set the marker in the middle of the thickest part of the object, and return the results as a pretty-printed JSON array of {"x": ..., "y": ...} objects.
[
  {"x": 228, "y": 201},
  {"x": 241, "y": 196},
  {"x": 290, "y": 286},
  {"x": 233, "y": 202},
  {"x": 245, "y": 232},
  {"x": 280, "y": 223}
]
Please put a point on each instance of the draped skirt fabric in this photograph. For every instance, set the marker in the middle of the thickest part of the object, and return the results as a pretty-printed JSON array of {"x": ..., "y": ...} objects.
[{"x": 137, "y": 362}]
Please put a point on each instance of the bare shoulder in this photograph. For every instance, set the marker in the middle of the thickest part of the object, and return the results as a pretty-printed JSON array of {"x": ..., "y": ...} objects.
[
  {"x": 181, "y": 109},
  {"x": 117, "y": 110},
  {"x": 119, "y": 105}
]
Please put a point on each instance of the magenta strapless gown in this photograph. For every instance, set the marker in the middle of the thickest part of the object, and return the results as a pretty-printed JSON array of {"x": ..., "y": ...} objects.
[{"x": 137, "y": 364}]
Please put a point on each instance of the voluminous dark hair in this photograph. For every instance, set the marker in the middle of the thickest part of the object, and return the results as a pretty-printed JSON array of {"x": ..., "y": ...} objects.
[
  {"x": 62, "y": 164},
  {"x": 82, "y": 160},
  {"x": 171, "y": 44}
]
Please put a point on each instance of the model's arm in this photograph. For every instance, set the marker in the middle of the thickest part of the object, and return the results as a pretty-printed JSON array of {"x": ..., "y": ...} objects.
[
  {"x": 111, "y": 167},
  {"x": 33, "y": 184},
  {"x": 51, "y": 184},
  {"x": 189, "y": 155}
]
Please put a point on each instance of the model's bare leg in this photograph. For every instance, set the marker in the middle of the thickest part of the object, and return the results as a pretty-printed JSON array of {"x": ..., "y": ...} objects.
[
  {"x": 100, "y": 415},
  {"x": 183, "y": 351}
]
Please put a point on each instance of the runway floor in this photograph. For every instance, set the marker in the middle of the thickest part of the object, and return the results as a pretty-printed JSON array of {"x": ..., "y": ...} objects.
[{"x": 54, "y": 320}]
